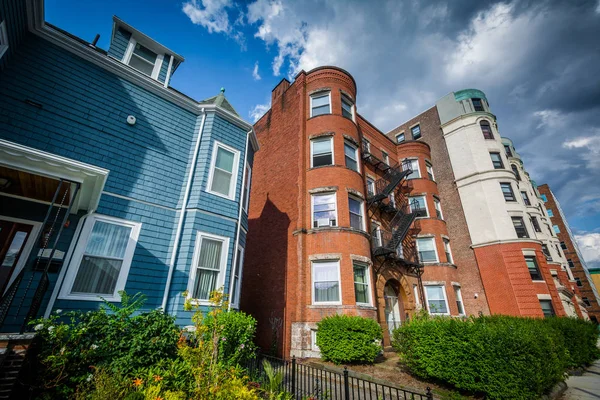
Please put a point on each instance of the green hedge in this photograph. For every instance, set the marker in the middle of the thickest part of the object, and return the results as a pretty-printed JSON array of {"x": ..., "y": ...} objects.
[
  {"x": 349, "y": 339},
  {"x": 499, "y": 356}
]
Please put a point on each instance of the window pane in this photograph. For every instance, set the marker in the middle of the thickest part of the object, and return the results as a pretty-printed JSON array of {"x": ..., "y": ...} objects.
[
  {"x": 400, "y": 138},
  {"x": 550, "y": 213},
  {"x": 507, "y": 191},
  {"x": 108, "y": 240},
  {"x": 326, "y": 282},
  {"x": 436, "y": 300},
  {"x": 413, "y": 165},
  {"x": 97, "y": 276},
  {"x": 350, "y": 153},
  {"x": 533, "y": 268},
  {"x": 206, "y": 282},
  {"x": 225, "y": 159},
  {"x": 426, "y": 248},
  {"x": 361, "y": 287},
  {"x": 141, "y": 65},
  {"x": 322, "y": 153},
  {"x": 210, "y": 254},
  {"x": 221, "y": 182},
  {"x": 320, "y": 105},
  {"x": 416, "y": 131},
  {"x": 547, "y": 308},
  {"x": 346, "y": 108},
  {"x": 14, "y": 249},
  {"x": 145, "y": 53}
]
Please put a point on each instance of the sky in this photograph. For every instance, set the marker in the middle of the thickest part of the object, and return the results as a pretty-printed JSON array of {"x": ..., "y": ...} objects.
[{"x": 537, "y": 61}]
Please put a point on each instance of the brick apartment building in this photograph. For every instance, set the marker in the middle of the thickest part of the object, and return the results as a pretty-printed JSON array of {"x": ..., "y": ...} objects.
[
  {"x": 438, "y": 213},
  {"x": 582, "y": 276}
]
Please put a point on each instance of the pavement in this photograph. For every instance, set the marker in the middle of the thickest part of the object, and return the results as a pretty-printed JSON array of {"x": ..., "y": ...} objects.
[{"x": 586, "y": 386}]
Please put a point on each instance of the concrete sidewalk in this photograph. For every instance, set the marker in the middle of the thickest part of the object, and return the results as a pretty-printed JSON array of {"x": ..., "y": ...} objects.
[{"x": 586, "y": 386}]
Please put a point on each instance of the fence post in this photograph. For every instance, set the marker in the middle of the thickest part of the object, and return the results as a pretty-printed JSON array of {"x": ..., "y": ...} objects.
[
  {"x": 346, "y": 385},
  {"x": 294, "y": 376},
  {"x": 429, "y": 394}
]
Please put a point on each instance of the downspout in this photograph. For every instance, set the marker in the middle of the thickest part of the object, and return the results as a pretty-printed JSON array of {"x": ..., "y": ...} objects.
[
  {"x": 239, "y": 225},
  {"x": 186, "y": 195}
]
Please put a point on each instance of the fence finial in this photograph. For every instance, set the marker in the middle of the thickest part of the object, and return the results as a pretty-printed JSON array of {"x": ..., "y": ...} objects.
[{"x": 429, "y": 394}]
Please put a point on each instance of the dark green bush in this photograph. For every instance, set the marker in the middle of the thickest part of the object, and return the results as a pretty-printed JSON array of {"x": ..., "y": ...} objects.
[
  {"x": 237, "y": 330},
  {"x": 499, "y": 356},
  {"x": 349, "y": 339}
]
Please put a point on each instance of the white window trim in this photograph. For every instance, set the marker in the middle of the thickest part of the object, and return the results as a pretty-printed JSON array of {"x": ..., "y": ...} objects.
[
  {"x": 458, "y": 290},
  {"x": 248, "y": 182},
  {"x": 238, "y": 291},
  {"x": 377, "y": 230},
  {"x": 369, "y": 182},
  {"x": 157, "y": 64},
  {"x": 445, "y": 299},
  {"x": 330, "y": 138},
  {"x": 348, "y": 100},
  {"x": 416, "y": 294},
  {"x": 425, "y": 201},
  {"x": 437, "y": 258},
  {"x": 313, "y": 340},
  {"x": 400, "y": 134},
  {"x": 369, "y": 288},
  {"x": 418, "y": 167},
  {"x": 312, "y": 284},
  {"x": 385, "y": 156},
  {"x": 438, "y": 206},
  {"x": 449, "y": 248},
  {"x": 356, "y": 156},
  {"x": 362, "y": 210},
  {"x": 429, "y": 166},
  {"x": 196, "y": 258},
  {"x": 319, "y": 94},
  {"x": 312, "y": 209},
  {"x": 234, "y": 175},
  {"x": 3, "y": 39},
  {"x": 74, "y": 264}
]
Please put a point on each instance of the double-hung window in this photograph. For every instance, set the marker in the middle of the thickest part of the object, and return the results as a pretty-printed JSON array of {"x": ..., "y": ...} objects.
[
  {"x": 347, "y": 107},
  {"x": 544, "y": 198},
  {"x": 550, "y": 212},
  {"x": 366, "y": 146},
  {"x": 429, "y": 170},
  {"x": 533, "y": 268},
  {"x": 351, "y": 154},
  {"x": 237, "y": 276},
  {"x": 546, "y": 252},
  {"x": 477, "y": 104},
  {"x": 426, "y": 249},
  {"x": 362, "y": 294},
  {"x": 356, "y": 213},
  {"x": 3, "y": 39},
  {"x": 535, "y": 223},
  {"x": 547, "y": 308},
  {"x": 459, "y": 300},
  {"x": 320, "y": 103},
  {"x": 515, "y": 170},
  {"x": 526, "y": 198},
  {"x": 321, "y": 152},
  {"x": 571, "y": 264},
  {"x": 223, "y": 172},
  {"x": 385, "y": 157},
  {"x": 143, "y": 59},
  {"x": 413, "y": 166},
  {"x": 102, "y": 258},
  {"x": 376, "y": 238},
  {"x": 246, "y": 198},
  {"x": 507, "y": 191},
  {"x": 486, "y": 129},
  {"x": 326, "y": 282},
  {"x": 324, "y": 210},
  {"x": 448, "y": 251},
  {"x": 508, "y": 151},
  {"x": 556, "y": 228},
  {"x": 416, "y": 132},
  {"x": 371, "y": 187},
  {"x": 436, "y": 299},
  {"x": 563, "y": 245},
  {"x": 438, "y": 208},
  {"x": 400, "y": 138},
  {"x": 520, "y": 227},
  {"x": 497, "y": 160},
  {"x": 418, "y": 205},
  {"x": 210, "y": 260}
]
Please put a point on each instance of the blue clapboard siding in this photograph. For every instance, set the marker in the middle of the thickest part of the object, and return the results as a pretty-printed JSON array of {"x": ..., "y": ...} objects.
[
  {"x": 163, "y": 68},
  {"x": 118, "y": 44},
  {"x": 13, "y": 14}
]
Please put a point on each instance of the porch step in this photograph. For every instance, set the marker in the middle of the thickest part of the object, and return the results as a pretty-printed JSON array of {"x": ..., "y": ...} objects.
[{"x": 13, "y": 351}]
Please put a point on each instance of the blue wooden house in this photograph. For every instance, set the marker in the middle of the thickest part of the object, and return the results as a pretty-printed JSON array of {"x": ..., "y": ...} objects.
[{"x": 110, "y": 179}]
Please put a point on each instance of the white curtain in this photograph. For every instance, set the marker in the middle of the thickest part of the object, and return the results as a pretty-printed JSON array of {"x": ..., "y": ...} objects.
[
  {"x": 208, "y": 268},
  {"x": 326, "y": 281}
]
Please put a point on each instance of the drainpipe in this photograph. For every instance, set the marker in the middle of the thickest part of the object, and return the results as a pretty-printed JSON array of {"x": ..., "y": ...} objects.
[
  {"x": 239, "y": 225},
  {"x": 188, "y": 189}
]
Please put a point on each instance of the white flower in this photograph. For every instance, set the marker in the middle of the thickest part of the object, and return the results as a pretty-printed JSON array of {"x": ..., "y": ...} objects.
[
  {"x": 94, "y": 346},
  {"x": 62, "y": 351},
  {"x": 58, "y": 311},
  {"x": 38, "y": 327},
  {"x": 50, "y": 328},
  {"x": 89, "y": 377}
]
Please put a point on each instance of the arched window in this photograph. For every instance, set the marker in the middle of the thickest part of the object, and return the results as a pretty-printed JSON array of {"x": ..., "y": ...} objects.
[{"x": 486, "y": 129}]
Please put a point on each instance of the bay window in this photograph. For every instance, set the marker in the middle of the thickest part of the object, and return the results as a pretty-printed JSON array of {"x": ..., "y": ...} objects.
[
  {"x": 210, "y": 261},
  {"x": 326, "y": 282},
  {"x": 351, "y": 155},
  {"x": 437, "y": 303},
  {"x": 426, "y": 249},
  {"x": 413, "y": 165},
  {"x": 321, "y": 152},
  {"x": 362, "y": 292},
  {"x": 223, "y": 172},
  {"x": 356, "y": 213},
  {"x": 320, "y": 103},
  {"x": 324, "y": 212}
]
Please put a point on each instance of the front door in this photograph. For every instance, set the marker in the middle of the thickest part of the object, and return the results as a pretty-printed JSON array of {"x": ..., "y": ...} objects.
[
  {"x": 392, "y": 308},
  {"x": 13, "y": 237}
]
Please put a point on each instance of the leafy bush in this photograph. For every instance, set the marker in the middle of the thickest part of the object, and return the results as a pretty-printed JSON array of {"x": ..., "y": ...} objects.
[
  {"x": 349, "y": 339},
  {"x": 237, "y": 330},
  {"x": 500, "y": 356},
  {"x": 580, "y": 338}
]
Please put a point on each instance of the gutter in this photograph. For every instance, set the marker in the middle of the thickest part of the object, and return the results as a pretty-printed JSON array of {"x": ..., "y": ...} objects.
[
  {"x": 188, "y": 189},
  {"x": 239, "y": 225}
]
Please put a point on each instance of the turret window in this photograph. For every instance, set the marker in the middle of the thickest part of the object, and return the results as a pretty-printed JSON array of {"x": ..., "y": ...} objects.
[
  {"x": 526, "y": 198},
  {"x": 477, "y": 105},
  {"x": 486, "y": 129},
  {"x": 429, "y": 170},
  {"x": 497, "y": 160},
  {"x": 515, "y": 169},
  {"x": 351, "y": 155},
  {"x": 322, "y": 152},
  {"x": 413, "y": 165},
  {"x": 426, "y": 249},
  {"x": 324, "y": 210},
  {"x": 320, "y": 104},
  {"x": 520, "y": 228},
  {"x": 535, "y": 223},
  {"x": 347, "y": 107},
  {"x": 418, "y": 205},
  {"x": 507, "y": 191},
  {"x": 508, "y": 151},
  {"x": 356, "y": 213},
  {"x": 533, "y": 268}
]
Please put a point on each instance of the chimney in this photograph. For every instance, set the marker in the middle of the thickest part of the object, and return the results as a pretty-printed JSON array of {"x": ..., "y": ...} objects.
[{"x": 279, "y": 89}]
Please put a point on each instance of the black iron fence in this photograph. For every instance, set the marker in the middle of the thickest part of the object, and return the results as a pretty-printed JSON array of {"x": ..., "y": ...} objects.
[{"x": 304, "y": 381}]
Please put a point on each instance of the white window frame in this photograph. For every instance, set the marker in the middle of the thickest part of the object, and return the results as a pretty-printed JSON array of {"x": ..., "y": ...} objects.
[
  {"x": 246, "y": 190},
  {"x": 356, "y": 157},
  {"x": 438, "y": 206},
  {"x": 234, "y": 172},
  {"x": 78, "y": 253},
  {"x": 458, "y": 295},
  {"x": 555, "y": 229},
  {"x": 196, "y": 258},
  {"x": 312, "y": 209},
  {"x": 369, "y": 289},
  {"x": 313, "y": 340},
  {"x": 445, "y": 299},
  {"x": 236, "y": 295},
  {"x": 378, "y": 232},
  {"x": 157, "y": 64},
  {"x": 424, "y": 197},
  {"x": 371, "y": 185},
  {"x": 348, "y": 101},
  {"x": 319, "y": 94},
  {"x": 416, "y": 294},
  {"x": 429, "y": 169},
  {"x": 312, "y": 285},
  {"x": 330, "y": 138},
  {"x": 437, "y": 257},
  {"x": 362, "y": 211},
  {"x": 418, "y": 170},
  {"x": 3, "y": 39},
  {"x": 403, "y": 137},
  {"x": 386, "y": 157},
  {"x": 448, "y": 250}
]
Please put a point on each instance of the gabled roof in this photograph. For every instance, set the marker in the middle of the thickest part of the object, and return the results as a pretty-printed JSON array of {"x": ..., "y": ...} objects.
[{"x": 221, "y": 101}]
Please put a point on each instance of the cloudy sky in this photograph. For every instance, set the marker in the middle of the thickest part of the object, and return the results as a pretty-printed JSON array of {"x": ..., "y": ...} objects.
[{"x": 537, "y": 61}]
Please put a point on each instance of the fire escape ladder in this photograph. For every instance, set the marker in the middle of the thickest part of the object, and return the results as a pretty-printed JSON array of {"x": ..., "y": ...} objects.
[{"x": 388, "y": 183}]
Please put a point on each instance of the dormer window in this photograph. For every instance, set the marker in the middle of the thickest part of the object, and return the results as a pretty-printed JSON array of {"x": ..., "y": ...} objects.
[{"x": 143, "y": 59}]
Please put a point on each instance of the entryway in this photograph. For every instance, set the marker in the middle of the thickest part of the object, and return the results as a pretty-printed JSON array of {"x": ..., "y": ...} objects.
[{"x": 392, "y": 307}]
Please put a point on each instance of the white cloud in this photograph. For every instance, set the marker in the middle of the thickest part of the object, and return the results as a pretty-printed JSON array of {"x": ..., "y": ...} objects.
[
  {"x": 590, "y": 149},
  {"x": 255, "y": 74},
  {"x": 549, "y": 118},
  {"x": 213, "y": 15},
  {"x": 258, "y": 111},
  {"x": 589, "y": 244},
  {"x": 598, "y": 8}
]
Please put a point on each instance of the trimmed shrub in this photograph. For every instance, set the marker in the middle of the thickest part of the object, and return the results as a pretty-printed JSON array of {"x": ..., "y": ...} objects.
[
  {"x": 349, "y": 339},
  {"x": 499, "y": 356}
]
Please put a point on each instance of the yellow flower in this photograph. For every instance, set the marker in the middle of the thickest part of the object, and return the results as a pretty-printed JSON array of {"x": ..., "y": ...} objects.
[
  {"x": 157, "y": 378},
  {"x": 138, "y": 382}
]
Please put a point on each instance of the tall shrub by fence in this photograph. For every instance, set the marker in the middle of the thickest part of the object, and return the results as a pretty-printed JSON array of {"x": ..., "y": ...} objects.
[{"x": 499, "y": 356}]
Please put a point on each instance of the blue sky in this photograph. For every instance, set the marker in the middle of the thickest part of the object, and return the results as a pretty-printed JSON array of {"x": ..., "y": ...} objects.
[{"x": 538, "y": 62}]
